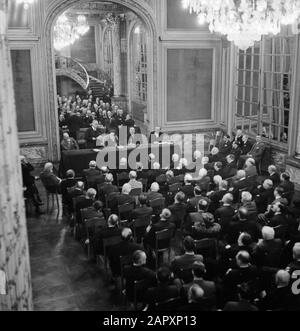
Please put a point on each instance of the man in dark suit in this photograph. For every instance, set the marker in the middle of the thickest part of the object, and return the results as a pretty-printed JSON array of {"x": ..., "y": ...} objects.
[
  {"x": 95, "y": 211},
  {"x": 280, "y": 298},
  {"x": 178, "y": 209},
  {"x": 186, "y": 261},
  {"x": 66, "y": 184},
  {"x": 239, "y": 183},
  {"x": 230, "y": 169},
  {"x": 166, "y": 290},
  {"x": 138, "y": 272},
  {"x": 192, "y": 204},
  {"x": 241, "y": 224},
  {"x": 274, "y": 176},
  {"x": 85, "y": 203},
  {"x": 224, "y": 214},
  {"x": 246, "y": 146},
  {"x": 268, "y": 250},
  {"x": 92, "y": 171},
  {"x": 107, "y": 188},
  {"x": 143, "y": 211},
  {"x": 257, "y": 152},
  {"x": 245, "y": 273},
  {"x": 196, "y": 217},
  {"x": 264, "y": 195},
  {"x": 244, "y": 298},
  {"x": 163, "y": 224},
  {"x": 225, "y": 147},
  {"x": 126, "y": 248},
  {"x": 29, "y": 183},
  {"x": 209, "y": 288},
  {"x": 112, "y": 230},
  {"x": 75, "y": 124},
  {"x": 154, "y": 193},
  {"x": 203, "y": 181},
  {"x": 122, "y": 199},
  {"x": 287, "y": 186},
  {"x": 217, "y": 196},
  {"x": 92, "y": 134},
  {"x": 188, "y": 188}
]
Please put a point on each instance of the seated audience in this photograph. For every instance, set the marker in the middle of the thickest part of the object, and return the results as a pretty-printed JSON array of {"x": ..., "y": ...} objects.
[
  {"x": 268, "y": 249},
  {"x": 245, "y": 299},
  {"x": 163, "y": 224},
  {"x": 165, "y": 290},
  {"x": 186, "y": 261},
  {"x": 250, "y": 168},
  {"x": 178, "y": 209},
  {"x": 230, "y": 169},
  {"x": 125, "y": 249},
  {"x": 138, "y": 272},
  {"x": 154, "y": 193},
  {"x": 207, "y": 228},
  {"x": 274, "y": 176}
]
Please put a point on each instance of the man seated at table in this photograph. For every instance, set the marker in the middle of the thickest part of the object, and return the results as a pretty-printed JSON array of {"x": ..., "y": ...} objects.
[
  {"x": 68, "y": 143},
  {"x": 92, "y": 134}
]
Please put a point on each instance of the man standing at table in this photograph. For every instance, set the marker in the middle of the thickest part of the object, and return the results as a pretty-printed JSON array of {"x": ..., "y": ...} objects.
[{"x": 92, "y": 134}]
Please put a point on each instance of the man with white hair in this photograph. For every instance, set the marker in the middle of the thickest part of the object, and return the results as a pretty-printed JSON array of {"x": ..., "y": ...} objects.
[
  {"x": 154, "y": 192},
  {"x": 107, "y": 188},
  {"x": 92, "y": 134},
  {"x": 264, "y": 196},
  {"x": 92, "y": 171},
  {"x": 122, "y": 199},
  {"x": 133, "y": 181},
  {"x": 269, "y": 249},
  {"x": 87, "y": 202},
  {"x": 48, "y": 178},
  {"x": 203, "y": 180},
  {"x": 224, "y": 214},
  {"x": 250, "y": 205},
  {"x": 274, "y": 176},
  {"x": 279, "y": 298}
]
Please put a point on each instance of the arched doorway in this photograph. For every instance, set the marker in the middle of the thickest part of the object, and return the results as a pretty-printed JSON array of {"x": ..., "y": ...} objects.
[{"x": 142, "y": 9}]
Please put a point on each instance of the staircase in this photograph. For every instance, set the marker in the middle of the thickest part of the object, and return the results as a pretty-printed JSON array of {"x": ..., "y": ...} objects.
[
  {"x": 99, "y": 88},
  {"x": 72, "y": 68}
]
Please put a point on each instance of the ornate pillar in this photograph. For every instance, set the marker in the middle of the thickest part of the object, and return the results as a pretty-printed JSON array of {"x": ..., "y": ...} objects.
[
  {"x": 114, "y": 22},
  {"x": 15, "y": 280}
]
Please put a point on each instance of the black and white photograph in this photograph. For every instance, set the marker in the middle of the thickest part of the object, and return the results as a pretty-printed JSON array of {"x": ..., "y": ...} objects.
[{"x": 149, "y": 159}]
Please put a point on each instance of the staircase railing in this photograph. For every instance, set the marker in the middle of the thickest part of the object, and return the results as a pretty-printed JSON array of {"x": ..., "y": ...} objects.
[{"x": 71, "y": 64}]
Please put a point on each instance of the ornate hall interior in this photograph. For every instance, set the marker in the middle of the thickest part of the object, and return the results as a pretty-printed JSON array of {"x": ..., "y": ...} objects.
[{"x": 149, "y": 155}]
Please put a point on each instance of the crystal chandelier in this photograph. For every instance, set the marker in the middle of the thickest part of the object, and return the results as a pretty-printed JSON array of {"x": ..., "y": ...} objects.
[
  {"x": 67, "y": 32},
  {"x": 244, "y": 21}
]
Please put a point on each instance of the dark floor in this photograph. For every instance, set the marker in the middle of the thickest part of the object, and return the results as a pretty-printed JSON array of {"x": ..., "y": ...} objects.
[{"x": 62, "y": 277}]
